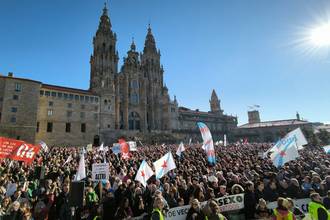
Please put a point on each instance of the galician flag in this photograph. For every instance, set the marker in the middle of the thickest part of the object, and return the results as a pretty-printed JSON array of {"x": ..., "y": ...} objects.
[
  {"x": 144, "y": 173},
  {"x": 327, "y": 149},
  {"x": 180, "y": 149},
  {"x": 286, "y": 152},
  {"x": 164, "y": 165},
  {"x": 294, "y": 136},
  {"x": 207, "y": 142},
  {"x": 81, "y": 172}
]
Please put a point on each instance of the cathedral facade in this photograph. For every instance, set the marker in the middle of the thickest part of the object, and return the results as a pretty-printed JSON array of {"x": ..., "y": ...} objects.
[
  {"x": 134, "y": 97},
  {"x": 129, "y": 101}
]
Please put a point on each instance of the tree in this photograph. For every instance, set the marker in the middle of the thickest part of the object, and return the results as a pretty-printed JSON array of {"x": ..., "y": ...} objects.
[
  {"x": 324, "y": 136},
  {"x": 310, "y": 136}
]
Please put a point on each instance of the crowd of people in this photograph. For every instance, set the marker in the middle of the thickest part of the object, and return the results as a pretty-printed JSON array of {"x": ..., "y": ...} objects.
[{"x": 240, "y": 168}]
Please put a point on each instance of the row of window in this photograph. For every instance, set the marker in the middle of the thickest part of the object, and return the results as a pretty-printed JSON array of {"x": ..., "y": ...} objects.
[
  {"x": 69, "y": 96},
  {"x": 51, "y": 104},
  {"x": 49, "y": 128},
  {"x": 50, "y": 112}
]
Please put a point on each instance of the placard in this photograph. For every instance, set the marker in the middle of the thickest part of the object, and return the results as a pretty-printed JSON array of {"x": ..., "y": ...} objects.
[{"x": 100, "y": 171}]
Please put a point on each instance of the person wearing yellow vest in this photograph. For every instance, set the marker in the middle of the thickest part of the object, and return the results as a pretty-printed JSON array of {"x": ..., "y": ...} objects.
[
  {"x": 157, "y": 212},
  {"x": 316, "y": 209},
  {"x": 282, "y": 212}
]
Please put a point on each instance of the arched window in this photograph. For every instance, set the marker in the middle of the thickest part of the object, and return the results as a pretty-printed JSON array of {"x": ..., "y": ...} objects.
[{"x": 134, "y": 121}]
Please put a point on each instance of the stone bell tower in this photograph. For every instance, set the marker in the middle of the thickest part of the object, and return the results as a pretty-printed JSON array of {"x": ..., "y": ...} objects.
[
  {"x": 104, "y": 64},
  {"x": 153, "y": 72}
]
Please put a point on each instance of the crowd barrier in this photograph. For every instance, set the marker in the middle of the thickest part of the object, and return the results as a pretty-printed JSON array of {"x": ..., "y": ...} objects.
[{"x": 226, "y": 203}]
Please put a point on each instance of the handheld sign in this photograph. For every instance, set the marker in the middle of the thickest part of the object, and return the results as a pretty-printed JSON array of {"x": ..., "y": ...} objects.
[
  {"x": 116, "y": 148},
  {"x": 89, "y": 147},
  {"x": 100, "y": 171}
]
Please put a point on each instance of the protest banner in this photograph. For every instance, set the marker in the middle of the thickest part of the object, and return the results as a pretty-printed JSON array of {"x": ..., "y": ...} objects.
[
  {"x": 116, "y": 148},
  {"x": 100, "y": 171},
  {"x": 132, "y": 145},
  {"x": 8, "y": 146},
  {"x": 178, "y": 213},
  {"x": 17, "y": 150},
  {"x": 231, "y": 203},
  {"x": 226, "y": 203}
]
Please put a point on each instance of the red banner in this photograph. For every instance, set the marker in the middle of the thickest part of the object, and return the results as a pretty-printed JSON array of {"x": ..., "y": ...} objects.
[{"x": 17, "y": 150}]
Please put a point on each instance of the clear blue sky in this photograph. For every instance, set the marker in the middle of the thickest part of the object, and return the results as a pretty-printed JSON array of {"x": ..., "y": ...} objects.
[{"x": 246, "y": 50}]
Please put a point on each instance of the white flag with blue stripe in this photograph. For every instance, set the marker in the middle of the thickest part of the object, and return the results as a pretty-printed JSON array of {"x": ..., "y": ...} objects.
[
  {"x": 286, "y": 151},
  {"x": 164, "y": 165},
  {"x": 144, "y": 173}
]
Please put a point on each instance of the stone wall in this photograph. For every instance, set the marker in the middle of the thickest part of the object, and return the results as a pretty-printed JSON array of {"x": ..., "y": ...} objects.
[
  {"x": 75, "y": 111},
  {"x": 18, "y": 107}
]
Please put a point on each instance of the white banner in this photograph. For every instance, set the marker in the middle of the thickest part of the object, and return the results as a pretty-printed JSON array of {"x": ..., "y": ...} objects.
[
  {"x": 231, "y": 203},
  {"x": 178, "y": 213},
  {"x": 100, "y": 171},
  {"x": 227, "y": 203}
]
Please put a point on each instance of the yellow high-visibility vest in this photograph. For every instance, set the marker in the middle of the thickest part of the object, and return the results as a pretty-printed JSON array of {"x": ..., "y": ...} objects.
[
  {"x": 278, "y": 215},
  {"x": 161, "y": 217},
  {"x": 313, "y": 207},
  {"x": 220, "y": 216}
]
